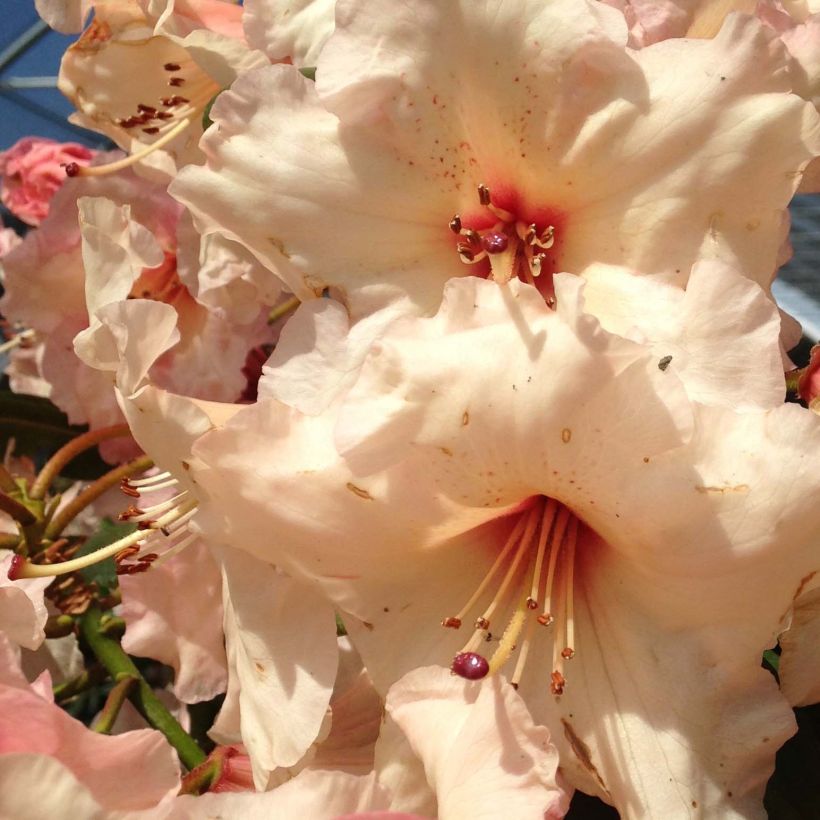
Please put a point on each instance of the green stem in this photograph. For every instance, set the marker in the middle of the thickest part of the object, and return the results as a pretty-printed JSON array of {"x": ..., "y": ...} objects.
[
  {"x": 113, "y": 703},
  {"x": 91, "y": 493},
  {"x": 112, "y": 656},
  {"x": 54, "y": 466}
]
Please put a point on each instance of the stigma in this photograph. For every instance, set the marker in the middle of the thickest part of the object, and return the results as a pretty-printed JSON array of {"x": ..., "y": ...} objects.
[
  {"x": 513, "y": 247},
  {"x": 533, "y": 578}
]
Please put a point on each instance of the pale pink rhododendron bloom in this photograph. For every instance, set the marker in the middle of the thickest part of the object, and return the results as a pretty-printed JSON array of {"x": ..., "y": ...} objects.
[
  {"x": 574, "y": 502},
  {"x": 489, "y": 759},
  {"x": 34, "y": 725},
  {"x": 32, "y": 171},
  {"x": 133, "y": 245},
  {"x": 143, "y": 75},
  {"x": 415, "y": 158}
]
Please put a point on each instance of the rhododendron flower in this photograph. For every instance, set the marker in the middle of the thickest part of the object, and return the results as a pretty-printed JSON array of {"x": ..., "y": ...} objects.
[
  {"x": 32, "y": 171},
  {"x": 137, "y": 247},
  {"x": 618, "y": 546},
  {"x": 143, "y": 75},
  {"x": 34, "y": 725},
  {"x": 509, "y": 763},
  {"x": 441, "y": 139}
]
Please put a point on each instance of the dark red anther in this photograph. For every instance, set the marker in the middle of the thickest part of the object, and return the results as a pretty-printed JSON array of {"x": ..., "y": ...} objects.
[
  {"x": 171, "y": 66},
  {"x": 129, "y": 512},
  {"x": 72, "y": 169},
  {"x": 125, "y": 487},
  {"x": 451, "y": 622},
  {"x": 176, "y": 82},
  {"x": 494, "y": 242},
  {"x": 558, "y": 683},
  {"x": 152, "y": 130},
  {"x": 470, "y": 665},
  {"x": 146, "y": 109},
  {"x": 164, "y": 115}
]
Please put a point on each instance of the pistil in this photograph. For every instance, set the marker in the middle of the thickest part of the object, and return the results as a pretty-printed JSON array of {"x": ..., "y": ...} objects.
[
  {"x": 546, "y": 526},
  {"x": 511, "y": 245}
]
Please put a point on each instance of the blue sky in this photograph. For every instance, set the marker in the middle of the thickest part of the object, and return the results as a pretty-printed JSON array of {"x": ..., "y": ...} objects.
[{"x": 32, "y": 111}]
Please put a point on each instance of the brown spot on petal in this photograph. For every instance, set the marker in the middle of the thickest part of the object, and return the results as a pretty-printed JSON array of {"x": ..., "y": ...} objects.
[
  {"x": 279, "y": 245},
  {"x": 465, "y": 419},
  {"x": 581, "y": 751},
  {"x": 446, "y": 450},
  {"x": 566, "y": 435},
  {"x": 803, "y": 582},
  {"x": 359, "y": 491},
  {"x": 260, "y": 670}
]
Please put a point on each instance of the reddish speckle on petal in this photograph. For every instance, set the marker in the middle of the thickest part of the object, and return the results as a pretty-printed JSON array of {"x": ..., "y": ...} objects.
[
  {"x": 72, "y": 169},
  {"x": 470, "y": 665}
]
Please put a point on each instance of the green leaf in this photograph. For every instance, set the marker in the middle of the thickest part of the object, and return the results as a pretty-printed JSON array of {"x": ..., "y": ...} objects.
[
  {"x": 772, "y": 660},
  {"x": 104, "y": 573},
  {"x": 309, "y": 72}
]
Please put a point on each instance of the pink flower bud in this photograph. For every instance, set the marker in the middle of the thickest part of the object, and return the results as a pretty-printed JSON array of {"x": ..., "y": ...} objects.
[{"x": 32, "y": 171}]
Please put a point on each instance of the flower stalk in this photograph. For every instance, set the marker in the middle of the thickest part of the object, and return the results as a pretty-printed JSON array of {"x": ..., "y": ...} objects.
[
  {"x": 54, "y": 466},
  {"x": 113, "y": 657},
  {"x": 113, "y": 703}
]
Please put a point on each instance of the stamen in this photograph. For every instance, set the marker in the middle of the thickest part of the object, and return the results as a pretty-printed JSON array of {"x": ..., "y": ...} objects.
[
  {"x": 455, "y": 621},
  {"x": 151, "y": 479},
  {"x": 72, "y": 169},
  {"x": 510, "y": 243},
  {"x": 518, "y": 672},
  {"x": 18, "y": 340},
  {"x": 572, "y": 538},
  {"x": 550, "y": 509},
  {"x": 483, "y": 621},
  {"x": 546, "y": 618},
  {"x": 25, "y": 569}
]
